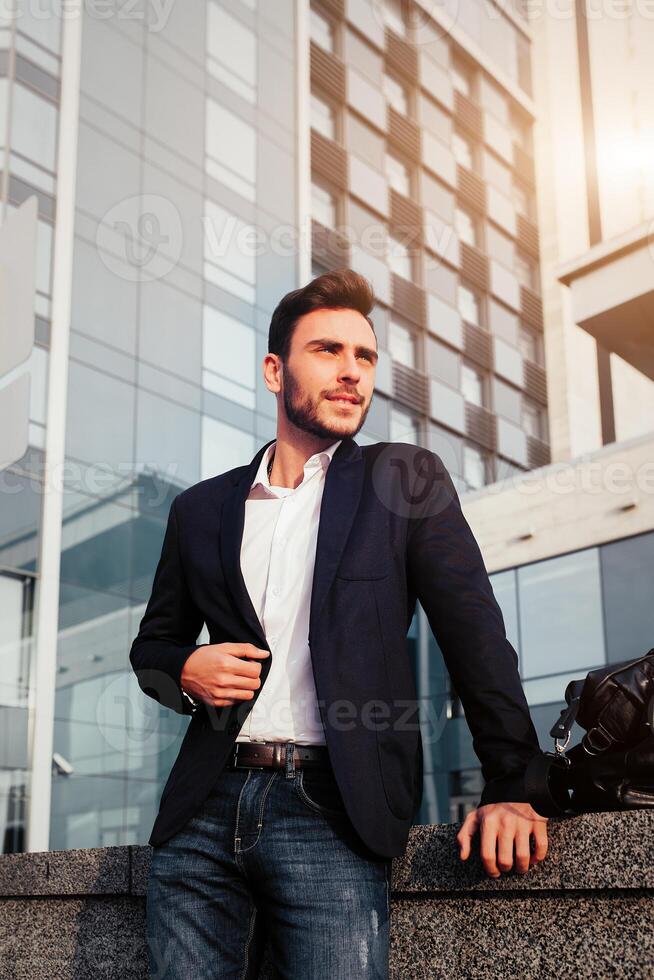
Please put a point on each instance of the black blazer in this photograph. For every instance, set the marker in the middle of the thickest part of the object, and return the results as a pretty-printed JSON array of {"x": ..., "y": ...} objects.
[{"x": 391, "y": 531}]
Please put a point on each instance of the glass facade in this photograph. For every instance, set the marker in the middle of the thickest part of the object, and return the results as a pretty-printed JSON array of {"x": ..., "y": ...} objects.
[{"x": 564, "y": 616}]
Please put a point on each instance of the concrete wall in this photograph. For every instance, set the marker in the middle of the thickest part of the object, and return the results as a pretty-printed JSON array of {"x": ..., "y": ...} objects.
[{"x": 586, "y": 912}]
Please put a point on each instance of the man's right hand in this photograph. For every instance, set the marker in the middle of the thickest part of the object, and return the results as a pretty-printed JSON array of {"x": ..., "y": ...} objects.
[{"x": 220, "y": 673}]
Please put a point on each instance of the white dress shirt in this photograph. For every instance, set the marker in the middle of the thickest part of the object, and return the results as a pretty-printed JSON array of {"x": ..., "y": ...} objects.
[{"x": 278, "y": 555}]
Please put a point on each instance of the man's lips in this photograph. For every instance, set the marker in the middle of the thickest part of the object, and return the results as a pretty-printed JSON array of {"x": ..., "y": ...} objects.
[{"x": 348, "y": 398}]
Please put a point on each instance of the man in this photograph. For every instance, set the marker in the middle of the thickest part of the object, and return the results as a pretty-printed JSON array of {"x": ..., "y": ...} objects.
[{"x": 301, "y": 769}]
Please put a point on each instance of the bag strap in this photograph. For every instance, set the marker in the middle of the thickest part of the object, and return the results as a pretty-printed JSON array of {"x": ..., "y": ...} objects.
[{"x": 546, "y": 786}]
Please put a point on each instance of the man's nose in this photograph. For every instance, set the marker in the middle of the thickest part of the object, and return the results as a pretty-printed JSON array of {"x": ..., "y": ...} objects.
[{"x": 350, "y": 369}]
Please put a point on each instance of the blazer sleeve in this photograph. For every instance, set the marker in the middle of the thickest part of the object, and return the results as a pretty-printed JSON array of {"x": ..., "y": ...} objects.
[
  {"x": 169, "y": 627},
  {"x": 448, "y": 575}
]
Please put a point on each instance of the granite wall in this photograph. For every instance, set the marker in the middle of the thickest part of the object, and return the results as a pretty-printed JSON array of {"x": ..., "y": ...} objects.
[{"x": 587, "y": 911}]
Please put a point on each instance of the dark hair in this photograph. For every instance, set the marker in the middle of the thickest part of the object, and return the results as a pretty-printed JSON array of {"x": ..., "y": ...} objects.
[{"x": 340, "y": 289}]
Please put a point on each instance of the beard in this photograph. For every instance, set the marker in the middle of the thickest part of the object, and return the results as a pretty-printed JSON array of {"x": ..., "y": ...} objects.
[{"x": 302, "y": 411}]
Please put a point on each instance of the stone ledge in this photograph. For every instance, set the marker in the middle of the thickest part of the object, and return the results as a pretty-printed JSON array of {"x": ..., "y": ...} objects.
[{"x": 594, "y": 851}]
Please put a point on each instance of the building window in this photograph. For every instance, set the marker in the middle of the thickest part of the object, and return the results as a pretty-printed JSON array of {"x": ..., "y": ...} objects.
[
  {"x": 475, "y": 468},
  {"x": 231, "y": 52},
  {"x": 321, "y": 30},
  {"x": 523, "y": 200},
  {"x": 463, "y": 78},
  {"x": 230, "y": 149},
  {"x": 403, "y": 426},
  {"x": 533, "y": 419},
  {"x": 398, "y": 174},
  {"x": 396, "y": 94},
  {"x": 472, "y": 385},
  {"x": 323, "y": 206},
  {"x": 229, "y": 251},
  {"x": 33, "y": 127},
  {"x": 223, "y": 447},
  {"x": 531, "y": 344},
  {"x": 402, "y": 344},
  {"x": 469, "y": 305},
  {"x": 228, "y": 357},
  {"x": 521, "y": 132},
  {"x": 323, "y": 117},
  {"x": 463, "y": 150},
  {"x": 393, "y": 16},
  {"x": 525, "y": 270},
  {"x": 466, "y": 227},
  {"x": 399, "y": 258}
]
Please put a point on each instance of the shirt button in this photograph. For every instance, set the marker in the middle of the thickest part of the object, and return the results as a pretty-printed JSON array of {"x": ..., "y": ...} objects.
[{"x": 275, "y": 590}]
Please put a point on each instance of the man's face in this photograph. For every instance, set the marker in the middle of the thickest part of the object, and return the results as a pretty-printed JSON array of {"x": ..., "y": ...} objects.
[{"x": 329, "y": 376}]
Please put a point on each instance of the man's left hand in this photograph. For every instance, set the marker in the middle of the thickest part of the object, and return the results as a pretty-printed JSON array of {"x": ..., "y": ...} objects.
[{"x": 506, "y": 830}]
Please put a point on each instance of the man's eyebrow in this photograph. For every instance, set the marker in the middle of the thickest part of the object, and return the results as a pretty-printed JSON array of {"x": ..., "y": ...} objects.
[{"x": 337, "y": 345}]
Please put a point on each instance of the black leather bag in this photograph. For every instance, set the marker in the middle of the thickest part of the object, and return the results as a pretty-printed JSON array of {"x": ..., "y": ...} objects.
[{"x": 612, "y": 768}]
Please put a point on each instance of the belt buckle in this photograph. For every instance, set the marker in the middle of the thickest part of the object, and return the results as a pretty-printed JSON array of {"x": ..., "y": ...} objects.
[
  {"x": 235, "y": 756},
  {"x": 279, "y": 754}
]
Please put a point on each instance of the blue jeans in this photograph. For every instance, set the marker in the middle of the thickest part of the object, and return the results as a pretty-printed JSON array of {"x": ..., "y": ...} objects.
[{"x": 270, "y": 855}]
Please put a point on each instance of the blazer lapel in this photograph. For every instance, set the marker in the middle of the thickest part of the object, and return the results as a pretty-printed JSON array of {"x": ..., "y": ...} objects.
[
  {"x": 340, "y": 500},
  {"x": 231, "y": 537}
]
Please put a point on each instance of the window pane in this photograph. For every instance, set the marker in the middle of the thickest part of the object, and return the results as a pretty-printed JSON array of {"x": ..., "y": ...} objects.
[
  {"x": 322, "y": 117},
  {"x": 472, "y": 385},
  {"x": 474, "y": 467},
  {"x": 462, "y": 79},
  {"x": 231, "y": 52},
  {"x": 396, "y": 94},
  {"x": 323, "y": 206},
  {"x": 228, "y": 357},
  {"x": 33, "y": 127},
  {"x": 229, "y": 251},
  {"x": 524, "y": 271},
  {"x": 393, "y": 16},
  {"x": 529, "y": 343},
  {"x": 402, "y": 344},
  {"x": 399, "y": 259},
  {"x": 628, "y": 607},
  {"x": 231, "y": 149},
  {"x": 462, "y": 149},
  {"x": 403, "y": 426},
  {"x": 468, "y": 305},
  {"x": 465, "y": 227},
  {"x": 505, "y": 588},
  {"x": 398, "y": 175},
  {"x": 321, "y": 30},
  {"x": 224, "y": 447},
  {"x": 531, "y": 420},
  {"x": 561, "y": 614}
]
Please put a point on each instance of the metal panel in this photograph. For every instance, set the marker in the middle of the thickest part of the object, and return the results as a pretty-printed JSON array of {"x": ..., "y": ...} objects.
[
  {"x": 403, "y": 134},
  {"x": 477, "y": 345},
  {"x": 401, "y": 56},
  {"x": 329, "y": 160},
  {"x": 329, "y": 247},
  {"x": 474, "y": 265},
  {"x": 406, "y": 220},
  {"x": 470, "y": 189},
  {"x": 535, "y": 381},
  {"x": 327, "y": 72},
  {"x": 531, "y": 307},
  {"x": 468, "y": 115},
  {"x": 481, "y": 426},
  {"x": 528, "y": 235},
  {"x": 411, "y": 388},
  {"x": 408, "y": 300},
  {"x": 538, "y": 452}
]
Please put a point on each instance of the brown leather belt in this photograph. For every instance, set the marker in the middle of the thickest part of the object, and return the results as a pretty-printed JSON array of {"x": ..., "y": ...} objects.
[{"x": 274, "y": 755}]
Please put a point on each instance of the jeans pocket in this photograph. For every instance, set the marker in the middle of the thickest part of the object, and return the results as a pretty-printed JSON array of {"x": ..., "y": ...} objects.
[{"x": 318, "y": 789}]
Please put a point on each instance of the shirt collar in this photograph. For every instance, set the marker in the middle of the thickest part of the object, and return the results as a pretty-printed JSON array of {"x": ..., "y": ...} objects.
[{"x": 321, "y": 460}]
